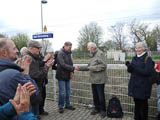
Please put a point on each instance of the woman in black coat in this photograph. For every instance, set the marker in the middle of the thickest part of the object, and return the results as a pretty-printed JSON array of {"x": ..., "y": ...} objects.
[{"x": 140, "y": 86}]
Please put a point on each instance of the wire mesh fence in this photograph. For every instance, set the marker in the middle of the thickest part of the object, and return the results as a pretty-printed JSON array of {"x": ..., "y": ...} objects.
[{"x": 116, "y": 85}]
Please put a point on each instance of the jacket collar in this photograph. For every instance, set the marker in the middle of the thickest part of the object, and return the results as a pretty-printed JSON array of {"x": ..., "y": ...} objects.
[
  {"x": 33, "y": 56},
  {"x": 5, "y": 63},
  {"x": 66, "y": 51},
  {"x": 94, "y": 52},
  {"x": 141, "y": 54}
]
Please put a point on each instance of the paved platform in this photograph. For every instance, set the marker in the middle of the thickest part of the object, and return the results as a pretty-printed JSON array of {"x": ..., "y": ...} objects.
[{"x": 81, "y": 113}]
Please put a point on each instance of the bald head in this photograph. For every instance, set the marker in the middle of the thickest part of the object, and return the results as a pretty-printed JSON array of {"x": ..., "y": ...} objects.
[
  {"x": 3, "y": 43},
  {"x": 8, "y": 49}
]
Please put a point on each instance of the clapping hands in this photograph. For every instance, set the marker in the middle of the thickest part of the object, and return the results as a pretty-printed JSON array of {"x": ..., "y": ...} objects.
[
  {"x": 21, "y": 101},
  {"x": 24, "y": 63}
]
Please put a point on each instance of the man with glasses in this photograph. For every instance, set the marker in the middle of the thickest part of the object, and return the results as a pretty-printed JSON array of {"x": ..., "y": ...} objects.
[{"x": 36, "y": 72}]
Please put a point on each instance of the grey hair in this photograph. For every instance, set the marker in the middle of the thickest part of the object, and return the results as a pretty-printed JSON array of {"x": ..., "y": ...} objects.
[
  {"x": 143, "y": 45},
  {"x": 22, "y": 49},
  {"x": 34, "y": 44},
  {"x": 92, "y": 44}
]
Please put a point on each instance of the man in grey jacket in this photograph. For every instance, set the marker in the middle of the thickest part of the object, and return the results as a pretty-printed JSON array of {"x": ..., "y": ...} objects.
[{"x": 98, "y": 77}]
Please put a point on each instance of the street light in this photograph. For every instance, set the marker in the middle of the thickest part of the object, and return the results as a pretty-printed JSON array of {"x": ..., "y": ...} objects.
[{"x": 42, "y": 2}]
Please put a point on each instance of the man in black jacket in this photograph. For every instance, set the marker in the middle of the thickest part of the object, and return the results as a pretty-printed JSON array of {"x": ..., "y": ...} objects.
[
  {"x": 43, "y": 60},
  {"x": 37, "y": 72},
  {"x": 64, "y": 73}
]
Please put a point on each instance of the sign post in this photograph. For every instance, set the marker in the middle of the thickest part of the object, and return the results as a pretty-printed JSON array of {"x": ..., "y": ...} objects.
[{"x": 42, "y": 35}]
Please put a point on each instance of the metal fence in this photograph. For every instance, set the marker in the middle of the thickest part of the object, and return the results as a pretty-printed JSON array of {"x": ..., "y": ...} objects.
[{"x": 117, "y": 85}]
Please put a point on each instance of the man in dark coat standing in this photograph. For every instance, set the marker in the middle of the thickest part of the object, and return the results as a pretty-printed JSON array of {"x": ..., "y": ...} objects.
[
  {"x": 43, "y": 60},
  {"x": 37, "y": 72},
  {"x": 64, "y": 73}
]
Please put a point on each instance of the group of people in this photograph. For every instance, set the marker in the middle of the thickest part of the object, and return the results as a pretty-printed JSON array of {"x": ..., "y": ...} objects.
[
  {"x": 139, "y": 86},
  {"x": 65, "y": 71},
  {"x": 23, "y": 81},
  {"x": 31, "y": 67}
]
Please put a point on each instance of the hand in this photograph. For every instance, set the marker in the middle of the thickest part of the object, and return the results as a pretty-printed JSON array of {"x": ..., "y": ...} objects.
[
  {"x": 127, "y": 63},
  {"x": 71, "y": 75},
  {"x": 47, "y": 57},
  {"x": 17, "y": 61},
  {"x": 24, "y": 63},
  {"x": 24, "y": 100},
  {"x": 49, "y": 63},
  {"x": 77, "y": 68},
  {"x": 89, "y": 68},
  {"x": 17, "y": 95},
  {"x": 130, "y": 68},
  {"x": 30, "y": 88}
]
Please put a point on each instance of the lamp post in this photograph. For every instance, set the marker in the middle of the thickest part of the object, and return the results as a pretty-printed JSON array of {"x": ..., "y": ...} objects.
[{"x": 42, "y": 2}]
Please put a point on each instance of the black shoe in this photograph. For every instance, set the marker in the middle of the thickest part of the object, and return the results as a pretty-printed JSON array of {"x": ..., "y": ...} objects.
[
  {"x": 60, "y": 110},
  {"x": 94, "y": 112},
  {"x": 103, "y": 114},
  {"x": 158, "y": 116},
  {"x": 70, "y": 108},
  {"x": 44, "y": 113}
]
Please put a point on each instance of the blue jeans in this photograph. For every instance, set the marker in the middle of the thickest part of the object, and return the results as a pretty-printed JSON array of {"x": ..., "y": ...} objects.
[
  {"x": 64, "y": 93},
  {"x": 158, "y": 96}
]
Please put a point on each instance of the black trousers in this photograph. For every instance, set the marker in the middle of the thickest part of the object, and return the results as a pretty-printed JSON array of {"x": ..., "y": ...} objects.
[
  {"x": 99, "y": 97},
  {"x": 41, "y": 105},
  {"x": 141, "y": 109}
]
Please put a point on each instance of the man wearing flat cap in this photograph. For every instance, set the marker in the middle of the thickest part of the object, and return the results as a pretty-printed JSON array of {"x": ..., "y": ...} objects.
[{"x": 36, "y": 72}]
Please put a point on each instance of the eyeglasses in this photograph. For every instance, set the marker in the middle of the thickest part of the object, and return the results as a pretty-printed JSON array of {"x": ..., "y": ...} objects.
[{"x": 37, "y": 47}]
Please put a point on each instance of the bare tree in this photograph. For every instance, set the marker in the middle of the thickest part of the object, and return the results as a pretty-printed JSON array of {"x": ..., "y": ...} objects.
[
  {"x": 118, "y": 35},
  {"x": 142, "y": 32},
  {"x": 89, "y": 33}
]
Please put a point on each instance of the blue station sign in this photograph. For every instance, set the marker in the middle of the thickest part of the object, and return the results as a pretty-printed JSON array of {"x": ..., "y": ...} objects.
[{"x": 42, "y": 35}]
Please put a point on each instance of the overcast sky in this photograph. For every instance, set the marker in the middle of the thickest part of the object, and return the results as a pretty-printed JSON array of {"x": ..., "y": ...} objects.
[{"x": 66, "y": 17}]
